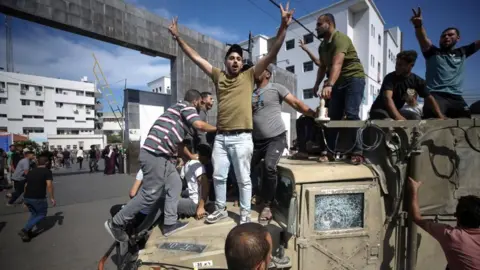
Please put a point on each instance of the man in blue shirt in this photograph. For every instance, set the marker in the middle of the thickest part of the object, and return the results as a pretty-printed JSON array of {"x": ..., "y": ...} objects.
[{"x": 445, "y": 68}]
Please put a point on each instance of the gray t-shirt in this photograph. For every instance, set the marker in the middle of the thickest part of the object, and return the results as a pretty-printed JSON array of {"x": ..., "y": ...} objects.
[
  {"x": 19, "y": 173},
  {"x": 267, "y": 111}
]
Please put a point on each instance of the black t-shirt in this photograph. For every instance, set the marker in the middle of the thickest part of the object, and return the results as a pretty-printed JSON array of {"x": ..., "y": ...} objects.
[
  {"x": 399, "y": 85},
  {"x": 92, "y": 153},
  {"x": 16, "y": 157},
  {"x": 37, "y": 183}
]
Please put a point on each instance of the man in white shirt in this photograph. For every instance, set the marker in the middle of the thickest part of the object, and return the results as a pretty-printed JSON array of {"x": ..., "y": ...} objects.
[{"x": 194, "y": 174}]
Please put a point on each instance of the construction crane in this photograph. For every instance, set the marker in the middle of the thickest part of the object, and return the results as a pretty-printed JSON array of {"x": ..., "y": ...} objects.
[
  {"x": 8, "y": 41},
  {"x": 106, "y": 91}
]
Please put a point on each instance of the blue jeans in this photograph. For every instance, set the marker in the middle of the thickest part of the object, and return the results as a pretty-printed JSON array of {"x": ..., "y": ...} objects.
[
  {"x": 38, "y": 211},
  {"x": 345, "y": 101},
  {"x": 235, "y": 149}
]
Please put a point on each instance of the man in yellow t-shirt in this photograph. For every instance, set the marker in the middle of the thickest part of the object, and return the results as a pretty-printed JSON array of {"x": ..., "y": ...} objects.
[{"x": 233, "y": 142}]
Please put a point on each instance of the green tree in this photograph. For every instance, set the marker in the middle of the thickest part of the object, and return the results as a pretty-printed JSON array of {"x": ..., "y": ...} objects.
[{"x": 114, "y": 138}]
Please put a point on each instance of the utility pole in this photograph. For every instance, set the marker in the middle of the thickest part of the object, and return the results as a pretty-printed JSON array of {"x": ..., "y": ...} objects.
[{"x": 8, "y": 41}]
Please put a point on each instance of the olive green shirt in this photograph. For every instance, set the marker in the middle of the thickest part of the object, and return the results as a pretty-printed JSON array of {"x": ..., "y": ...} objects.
[
  {"x": 341, "y": 43},
  {"x": 234, "y": 97}
]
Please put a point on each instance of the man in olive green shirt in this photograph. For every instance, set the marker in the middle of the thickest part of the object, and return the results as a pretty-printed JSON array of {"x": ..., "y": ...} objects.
[
  {"x": 345, "y": 84},
  {"x": 233, "y": 143}
]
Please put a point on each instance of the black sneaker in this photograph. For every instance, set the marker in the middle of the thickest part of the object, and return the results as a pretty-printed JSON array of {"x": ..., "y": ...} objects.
[
  {"x": 117, "y": 232},
  {"x": 24, "y": 235},
  {"x": 171, "y": 229},
  {"x": 217, "y": 216}
]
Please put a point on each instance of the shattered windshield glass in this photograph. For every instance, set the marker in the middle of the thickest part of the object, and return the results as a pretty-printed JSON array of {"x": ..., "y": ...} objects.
[{"x": 339, "y": 211}]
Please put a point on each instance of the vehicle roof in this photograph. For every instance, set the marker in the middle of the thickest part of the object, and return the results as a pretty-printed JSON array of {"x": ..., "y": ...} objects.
[{"x": 311, "y": 171}]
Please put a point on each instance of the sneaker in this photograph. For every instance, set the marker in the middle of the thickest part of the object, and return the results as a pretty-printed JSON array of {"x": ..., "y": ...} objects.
[
  {"x": 245, "y": 219},
  {"x": 171, "y": 229},
  {"x": 117, "y": 232},
  {"x": 217, "y": 216},
  {"x": 24, "y": 235}
]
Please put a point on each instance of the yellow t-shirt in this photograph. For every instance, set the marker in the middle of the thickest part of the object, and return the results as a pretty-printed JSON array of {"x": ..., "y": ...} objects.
[{"x": 234, "y": 97}]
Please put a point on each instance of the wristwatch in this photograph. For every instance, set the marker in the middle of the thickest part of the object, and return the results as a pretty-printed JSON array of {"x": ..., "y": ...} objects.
[{"x": 327, "y": 84}]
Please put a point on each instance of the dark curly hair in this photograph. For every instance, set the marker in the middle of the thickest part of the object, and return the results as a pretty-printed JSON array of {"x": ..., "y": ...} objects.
[{"x": 468, "y": 212}]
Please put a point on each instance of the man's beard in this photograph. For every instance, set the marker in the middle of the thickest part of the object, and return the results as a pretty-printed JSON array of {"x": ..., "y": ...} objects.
[
  {"x": 321, "y": 34},
  {"x": 448, "y": 47}
]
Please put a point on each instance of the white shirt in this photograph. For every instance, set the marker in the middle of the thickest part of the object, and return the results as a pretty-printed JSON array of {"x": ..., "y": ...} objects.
[
  {"x": 80, "y": 153},
  {"x": 417, "y": 109},
  {"x": 190, "y": 172}
]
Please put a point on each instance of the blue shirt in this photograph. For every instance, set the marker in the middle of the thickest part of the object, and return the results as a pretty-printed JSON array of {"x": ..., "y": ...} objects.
[{"x": 445, "y": 68}]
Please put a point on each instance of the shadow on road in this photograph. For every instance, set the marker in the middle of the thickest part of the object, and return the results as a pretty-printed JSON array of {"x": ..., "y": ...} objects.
[
  {"x": 48, "y": 222},
  {"x": 2, "y": 225}
]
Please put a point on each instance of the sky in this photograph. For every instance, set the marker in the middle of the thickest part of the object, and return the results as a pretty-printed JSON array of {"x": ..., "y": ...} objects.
[{"x": 49, "y": 52}]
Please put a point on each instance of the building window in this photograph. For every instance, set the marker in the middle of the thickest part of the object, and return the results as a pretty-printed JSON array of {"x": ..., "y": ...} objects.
[
  {"x": 39, "y": 103},
  {"x": 307, "y": 66},
  {"x": 291, "y": 69},
  {"x": 379, "y": 40},
  {"x": 38, "y": 116},
  {"x": 89, "y": 94},
  {"x": 308, "y": 93},
  {"x": 3, "y": 101},
  {"x": 75, "y": 132},
  {"x": 59, "y": 105},
  {"x": 32, "y": 130},
  {"x": 80, "y": 93},
  {"x": 27, "y": 116},
  {"x": 25, "y": 102},
  {"x": 290, "y": 44},
  {"x": 58, "y": 91},
  {"x": 372, "y": 29},
  {"x": 308, "y": 38},
  {"x": 2, "y": 85},
  {"x": 372, "y": 61},
  {"x": 79, "y": 106},
  {"x": 70, "y": 118},
  {"x": 3, "y": 116}
]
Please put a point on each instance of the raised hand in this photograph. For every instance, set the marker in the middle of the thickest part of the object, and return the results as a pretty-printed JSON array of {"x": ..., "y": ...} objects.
[
  {"x": 417, "y": 19},
  {"x": 287, "y": 15},
  {"x": 301, "y": 44},
  {"x": 173, "y": 29}
]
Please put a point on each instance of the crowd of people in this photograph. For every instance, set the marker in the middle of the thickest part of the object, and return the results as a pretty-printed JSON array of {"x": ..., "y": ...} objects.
[{"x": 249, "y": 128}]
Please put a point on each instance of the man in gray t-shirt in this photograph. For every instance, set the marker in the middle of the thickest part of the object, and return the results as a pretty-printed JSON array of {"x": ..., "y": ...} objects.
[
  {"x": 19, "y": 176},
  {"x": 269, "y": 134}
]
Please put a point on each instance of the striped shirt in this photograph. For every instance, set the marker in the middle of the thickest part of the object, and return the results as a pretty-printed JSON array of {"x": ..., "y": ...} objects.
[{"x": 170, "y": 129}]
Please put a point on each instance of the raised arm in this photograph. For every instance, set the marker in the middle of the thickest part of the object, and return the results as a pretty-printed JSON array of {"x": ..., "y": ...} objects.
[
  {"x": 263, "y": 63},
  {"x": 420, "y": 32},
  {"x": 191, "y": 53},
  {"x": 309, "y": 53}
]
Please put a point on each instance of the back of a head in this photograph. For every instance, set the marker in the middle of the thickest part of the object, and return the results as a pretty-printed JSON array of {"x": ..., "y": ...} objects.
[
  {"x": 247, "y": 246},
  {"x": 42, "y": 160},
  {"x": 468, "y": 212},
  {"x": 205, "y": 94},
  {"x": 192, "y": 95}
]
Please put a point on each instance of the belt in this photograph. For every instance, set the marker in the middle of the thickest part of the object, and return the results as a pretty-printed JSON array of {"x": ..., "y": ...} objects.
[{"x": 234, "y": 132}]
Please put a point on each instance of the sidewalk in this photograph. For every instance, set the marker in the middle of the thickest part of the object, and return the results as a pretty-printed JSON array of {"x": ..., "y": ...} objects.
[{"x": 74, "y": 169}]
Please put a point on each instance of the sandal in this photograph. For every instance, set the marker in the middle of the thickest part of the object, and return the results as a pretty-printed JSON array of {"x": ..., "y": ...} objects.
[
  {"x": 299, "y": 156},
  {"x": 323, "y": 159},
  {"x": 265, "y": 216},
  {"x": 357, "y": 159}
]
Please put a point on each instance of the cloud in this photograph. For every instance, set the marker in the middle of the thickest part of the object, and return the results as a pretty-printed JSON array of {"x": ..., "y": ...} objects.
[
  {"x": 216, "y": 32},
  {"x": 46, "y": 52}
]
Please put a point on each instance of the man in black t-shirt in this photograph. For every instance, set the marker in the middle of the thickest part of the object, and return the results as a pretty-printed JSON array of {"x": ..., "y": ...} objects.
[
  {"x": 38, "y": 181},
  {"x": 397, "y": 86},
  {"x": 92, "y": 159}
]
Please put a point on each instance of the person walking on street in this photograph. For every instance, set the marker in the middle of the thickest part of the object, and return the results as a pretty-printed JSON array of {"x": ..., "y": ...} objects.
[
  {"x": 445, "y": 69},
  {"x": 157, "y": 160},
  {"x": 19, "y": 176},
  {"x": 38, "y": 181},
  {"x": 345, "y": 84},
  {"x": 233, "y": 141},
  {"x": 269, "y": 133},
  {"x": 92, "y": 159},
  {"x": 80, "y": 155}
]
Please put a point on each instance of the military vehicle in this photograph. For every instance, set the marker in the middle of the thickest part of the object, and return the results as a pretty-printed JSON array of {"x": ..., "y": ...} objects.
[{"x": 341, "y": 216}]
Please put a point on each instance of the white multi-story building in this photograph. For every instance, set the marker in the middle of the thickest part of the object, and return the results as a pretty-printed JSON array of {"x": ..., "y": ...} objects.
[
  {"x": 363, "y": 23},
  {"x": 160, "y": 85},
  {"x": 110, "y": 123},
  {"x": 41, "y": 106}
]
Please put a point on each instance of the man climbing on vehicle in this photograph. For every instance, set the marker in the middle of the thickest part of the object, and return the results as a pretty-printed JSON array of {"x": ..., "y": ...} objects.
[
  {"x": 445, "y": 69},
  {"x": 269, "y": 132},
  {"x": 157, "y": 160},
  {"x": 233, "y": 142}
]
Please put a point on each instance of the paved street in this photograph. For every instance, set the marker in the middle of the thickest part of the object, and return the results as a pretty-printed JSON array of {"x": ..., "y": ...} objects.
[{"x": 75, "y": 237}]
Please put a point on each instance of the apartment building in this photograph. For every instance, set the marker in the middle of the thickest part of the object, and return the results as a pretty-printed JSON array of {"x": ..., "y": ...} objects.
[
  {"x": 362, "y": 22},
  {"x": 110, "y": 123},
  {"x": 41, "y": 106},
  {"x": 160, "y": 85}
]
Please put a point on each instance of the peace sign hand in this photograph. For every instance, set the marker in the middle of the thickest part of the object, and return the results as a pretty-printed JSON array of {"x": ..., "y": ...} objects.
[
  {"x": 417, "y": 19},
  {"x": 287, "y": 14},
  {"x": 173, "y": 28}
]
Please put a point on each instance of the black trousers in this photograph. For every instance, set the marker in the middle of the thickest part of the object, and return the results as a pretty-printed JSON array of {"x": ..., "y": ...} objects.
[
  {"x": 307, "y": 131},
  {"x": 380, "y": 114},
  {"x": 271, "y": 150},
  {"x": 19, "y": 187},
  {"x": 452, "y": 106}
]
